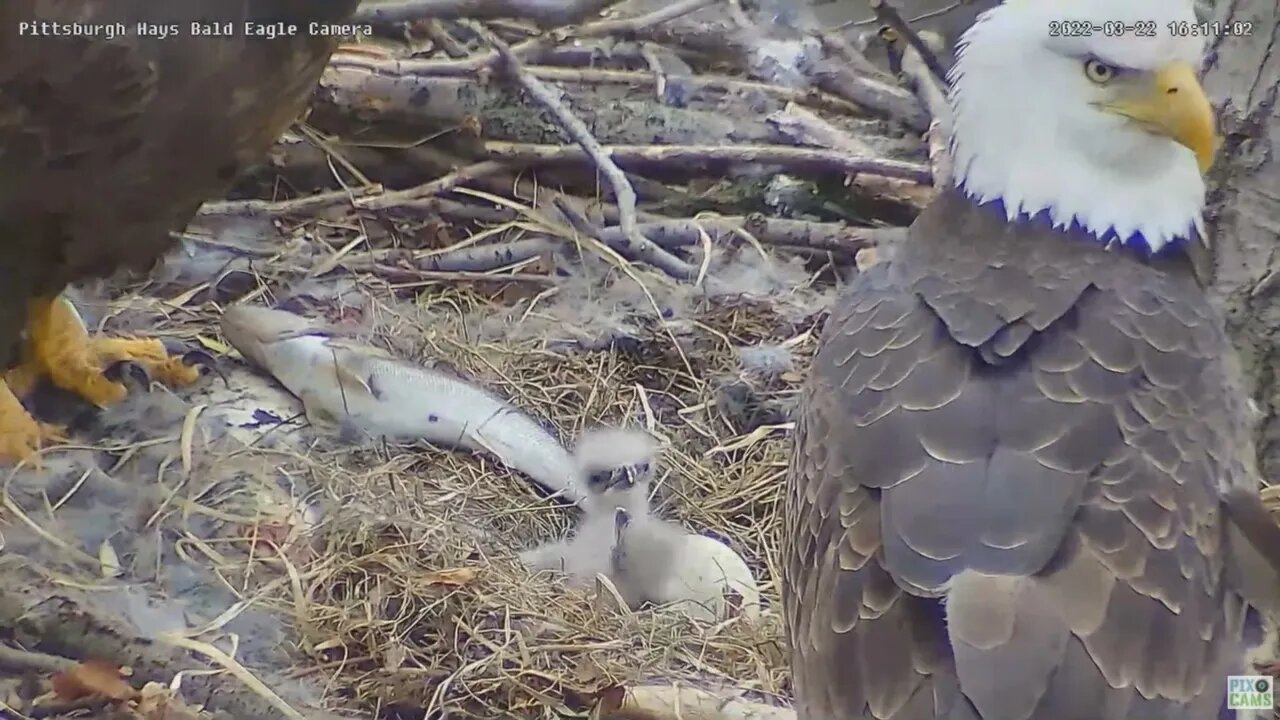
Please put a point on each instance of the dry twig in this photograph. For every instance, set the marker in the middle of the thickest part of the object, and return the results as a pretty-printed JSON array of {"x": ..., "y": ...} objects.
[
  {"x": 690, "y": 159},
  {"x": 778, "y": 232},
  {"x": 310, "y": 204},
  {"x": 807, "y": 128},
  {"x": 889, "y": 15},
  {"x": 543, "y": 12},
  {"x": 624, "y": 194},
  {"x": 631, "y": 25},
  {"x": 454, "y": 179},
  {"x": 934, "y": 97},
  {"x": 836, "y": 43},
  {"x": 436, "y": 31}
]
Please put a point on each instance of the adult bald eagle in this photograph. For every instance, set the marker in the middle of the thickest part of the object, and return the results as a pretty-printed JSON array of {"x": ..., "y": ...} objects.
[
  {"x": 1004, "y": 498},
  {"x": 118, "y": 118}
]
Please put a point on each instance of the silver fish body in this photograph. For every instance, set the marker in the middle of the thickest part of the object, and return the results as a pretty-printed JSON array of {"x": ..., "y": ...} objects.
[{"x": 348, "y": 385}]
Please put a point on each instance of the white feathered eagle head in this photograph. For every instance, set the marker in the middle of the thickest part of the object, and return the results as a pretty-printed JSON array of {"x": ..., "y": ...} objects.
[{"x": 1089, "y": 110}]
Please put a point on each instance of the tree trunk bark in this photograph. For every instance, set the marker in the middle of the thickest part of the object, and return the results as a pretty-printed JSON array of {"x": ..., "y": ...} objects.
[{"x": 1243, "y": 80}]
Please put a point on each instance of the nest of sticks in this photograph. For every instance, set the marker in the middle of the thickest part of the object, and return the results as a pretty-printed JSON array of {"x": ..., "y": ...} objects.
[
  {"x": 600, "y": 218},
  {"x": 417, "y": 598}
]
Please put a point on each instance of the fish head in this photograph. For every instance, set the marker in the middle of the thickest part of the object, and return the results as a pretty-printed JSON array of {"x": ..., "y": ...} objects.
[{"x": 251, "y": 329}]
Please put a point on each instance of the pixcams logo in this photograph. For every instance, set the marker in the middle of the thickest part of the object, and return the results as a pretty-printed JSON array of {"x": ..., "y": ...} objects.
[{"x": 1250, "y": 692}]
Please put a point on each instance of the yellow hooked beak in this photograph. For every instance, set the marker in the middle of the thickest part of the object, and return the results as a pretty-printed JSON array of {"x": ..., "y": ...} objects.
[{"x": 1174, "y": 105}]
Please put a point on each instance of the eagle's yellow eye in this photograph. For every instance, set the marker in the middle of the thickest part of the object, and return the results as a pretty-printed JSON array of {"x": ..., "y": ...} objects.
[{"x": 1098, "y": 72}]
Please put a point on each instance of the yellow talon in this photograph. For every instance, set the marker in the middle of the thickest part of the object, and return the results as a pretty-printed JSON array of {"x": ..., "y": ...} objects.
[
  {"x": 150, "y": 354},
  {"x": 22, "y": 379},
  {"x": 60, "y": 347},
  {"x": 20, "y": 434}
]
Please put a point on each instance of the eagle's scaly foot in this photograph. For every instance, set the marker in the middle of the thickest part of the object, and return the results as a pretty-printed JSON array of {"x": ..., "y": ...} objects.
[
  {"x": 20, "y": 434},
  {"x": 60, "y": 346},
  {"x": 150, "y": 355}
]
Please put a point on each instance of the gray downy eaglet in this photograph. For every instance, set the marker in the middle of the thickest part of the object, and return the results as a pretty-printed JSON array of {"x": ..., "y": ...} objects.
[{"x": 646, "y": 558}]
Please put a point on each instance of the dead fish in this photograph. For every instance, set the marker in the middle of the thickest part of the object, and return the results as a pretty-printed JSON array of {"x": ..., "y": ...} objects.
[{"x": 347, "y": 384}]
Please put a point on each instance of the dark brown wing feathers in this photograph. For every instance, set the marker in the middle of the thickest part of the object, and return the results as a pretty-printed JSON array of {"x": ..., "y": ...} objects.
[
  {"x": 1038, "y": 429},
  {"x": 109, "y": 144}
]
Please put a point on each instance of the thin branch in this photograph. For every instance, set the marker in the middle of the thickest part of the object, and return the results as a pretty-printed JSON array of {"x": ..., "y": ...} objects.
[
  {"x": 803, "y": 127},
  {"x": 779, "y": 232},
  {"x": 17, "y": 661},
  {"x": 490, "y": 256},
  {"x": 414, "y": 276},
  {"x": 885, "y": 98},
  {"x": 932, "y": 93},
  {"x": 934, "y": 97},
  {"x": 543, "y": 12},
  {"x": 687, "y": 158},
  {"x": 457, "y": 212},
  {"x": 628, "y": 26},
  {"x": 650, "y": 53},
  {"x": 838, "y": 45},
  {"x": 458, "y": 177},
  {"x": 889, "y": 15},
  {"x": 437, "y": 33},
  {"x": 308, "y": 205},
  {"x": 624, "y": 194},
  {"x": 465, "y": 67},
  {"x": 928, "y": 15}
]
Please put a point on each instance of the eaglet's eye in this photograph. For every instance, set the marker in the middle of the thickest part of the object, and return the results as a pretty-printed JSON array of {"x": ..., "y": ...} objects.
[{"x": 1099, "y": 72}]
